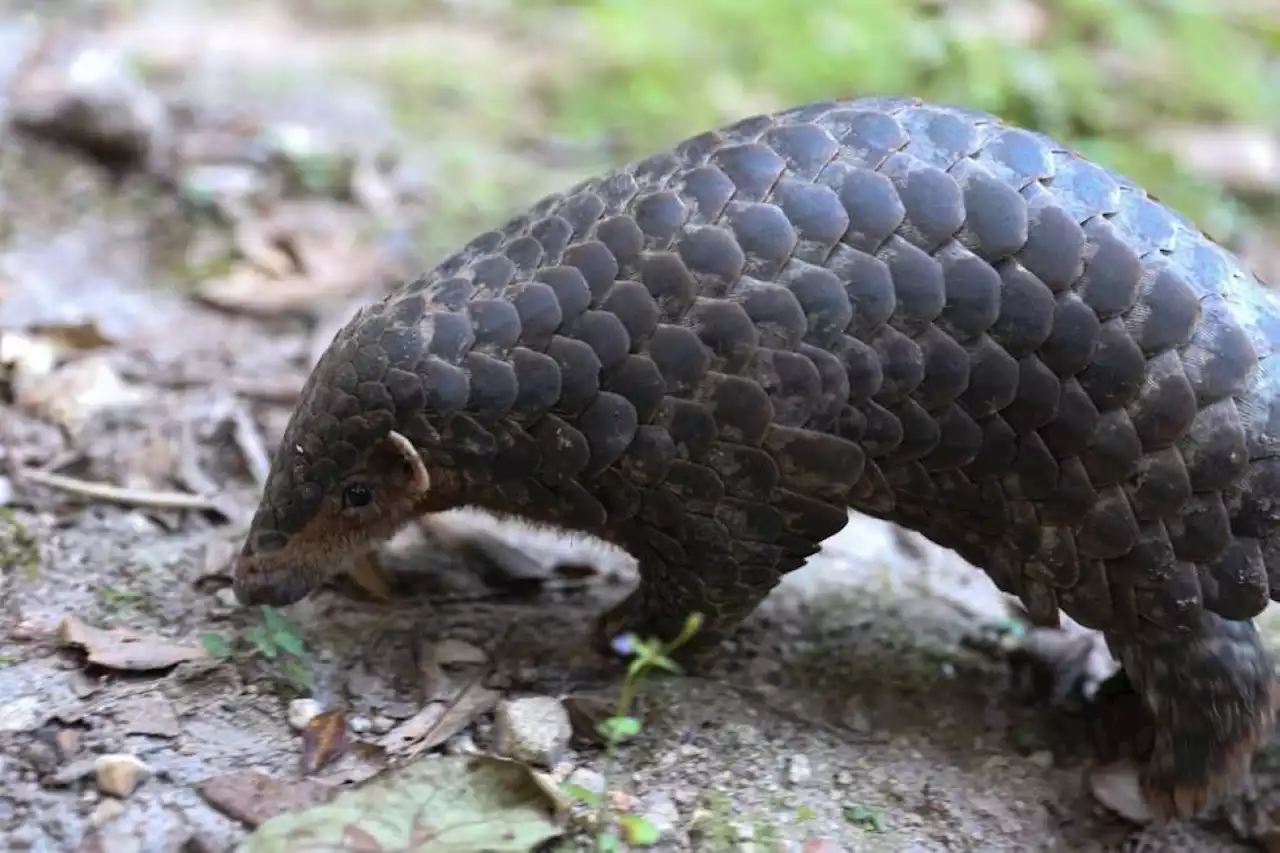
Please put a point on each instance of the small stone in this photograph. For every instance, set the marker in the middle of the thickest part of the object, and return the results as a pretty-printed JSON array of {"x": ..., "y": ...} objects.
[
  {"x": 744, "y": 831},
  {"x": 621, "y": 801},
  {"x": 226, "y": 597},
  {"x": 1041, "y": 758},
  {"x": 844, "y": 777},
  {"x": 461, "y": 744},
  {"x": 687, "y": 797},
  {"x": 452, "y": 652},
  {"x": 359, "y": 725},
  {"x": 68, "y": 741},
  {"x": 119, "y": 774},
  {"x": 382, "y": 724},
  {"x": 22, "y": 715},
  {"x": 535, "y": 730},
  {"x": 302, "y": 712},
  {"x": 798, "y": 771},
  {"x": 585, "y": 777},
  {"x": 663, "y": 814},
  {"x": 107, "y": 810}
]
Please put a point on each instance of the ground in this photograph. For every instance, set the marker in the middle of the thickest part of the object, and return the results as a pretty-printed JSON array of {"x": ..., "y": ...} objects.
[{"x": 156, "y": 326}]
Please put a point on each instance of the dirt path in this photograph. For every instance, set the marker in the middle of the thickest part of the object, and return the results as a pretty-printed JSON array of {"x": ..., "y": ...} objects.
[{"x": 854, "y": 709}]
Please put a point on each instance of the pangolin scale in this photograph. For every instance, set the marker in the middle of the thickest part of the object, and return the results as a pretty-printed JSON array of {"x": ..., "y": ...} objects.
[{"x": 914, "y": 311}]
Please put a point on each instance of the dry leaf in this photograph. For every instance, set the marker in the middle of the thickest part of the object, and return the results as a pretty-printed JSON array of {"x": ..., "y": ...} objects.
[
  {"x": 75, "y": 392},
  {"x": 125, "y": 650},
  {"x": 361, "y": 762},
  {"x": 324, "y": 740},
  {"x": 73, "y": 336},
  {"x": 438, "y": 722},
  {"x": 456, "y": 803},
  {"x": 253, "y": 798}
]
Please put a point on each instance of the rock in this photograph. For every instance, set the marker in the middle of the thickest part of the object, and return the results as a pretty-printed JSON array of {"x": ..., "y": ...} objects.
[
  {"x": 22, "y": 715},
  {"x": 120, "y": 774},
  {"x": 302, "y": 712},
  {"x": 382, "y": 724},
  {"x": 461, "y": 744},
  {"x": 798, "y": 770},
  {"x": 457, "y": 653},
  {"x": 585, "y": 777},
  {"x": 68, "y": 741},
  {"x": 360, "y": 725},
  {"x": 663, "y": 814},
  {"x": 106, "y": 811},
  {"x": 1041, "y": 758},
  {"x": 535, "y": 729}
]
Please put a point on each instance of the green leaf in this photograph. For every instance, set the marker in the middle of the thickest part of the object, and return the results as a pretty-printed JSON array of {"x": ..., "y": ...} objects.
[
  {"x": 276, "y": 620},
  {"x": 581, "y": 794},
  {"x": 607, "y": 842},
  {"x": 618, "y": 729},
  {"x": 216, "y": 645},
  {"x": 639, "y": 831},
  {"x": 290, "y": 642},
  {"x": 435, "y": 805},
  {"x": 864, "y": 816},
  {"x": 261, "y": 641}
]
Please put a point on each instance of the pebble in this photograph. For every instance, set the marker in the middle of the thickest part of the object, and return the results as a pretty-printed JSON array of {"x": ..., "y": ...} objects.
[
  {"x": 535, "y": 730},
  {"x": 457, "y": 653},
  {"x": 382, "y": 724},
  {"x": 302, "y": 712},
  {"x": 106, "y": 811},
  {"x": 462, "y": 744},
  {"x": 687, "y": 796},
  {"x": 799, "y": 772},
  {"x": 119, "y": 774},
  {"x": 226, "y": 597},
  {"x": 663, "y": 814},
  {"x": 1041, "y": 758},
  {"x": 360, "y": 725},
  {"x": 22, "y": 715},
  {"x": 585, "y": 777}
]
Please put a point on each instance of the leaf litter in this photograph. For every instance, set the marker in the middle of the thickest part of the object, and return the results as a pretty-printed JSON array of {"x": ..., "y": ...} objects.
[
  {"x": 121, "y": 649},
  {"x": 447, "y": 804}
]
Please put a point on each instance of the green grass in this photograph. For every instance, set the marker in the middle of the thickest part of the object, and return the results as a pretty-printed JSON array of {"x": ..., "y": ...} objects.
[
  {"x": 625, "y": 78},
  {"x": 1101, "y": 74}
]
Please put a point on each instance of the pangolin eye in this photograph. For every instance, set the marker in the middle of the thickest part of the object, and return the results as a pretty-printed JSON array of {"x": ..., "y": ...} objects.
[{"x": 356, "y": 496}]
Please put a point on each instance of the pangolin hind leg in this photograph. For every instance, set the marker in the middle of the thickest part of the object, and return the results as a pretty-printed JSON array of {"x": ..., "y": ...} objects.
[{"x": 1211, "y": 697}]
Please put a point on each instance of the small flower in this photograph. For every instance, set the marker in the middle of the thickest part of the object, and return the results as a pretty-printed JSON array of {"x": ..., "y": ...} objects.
[{"x": 625, "y": 644}]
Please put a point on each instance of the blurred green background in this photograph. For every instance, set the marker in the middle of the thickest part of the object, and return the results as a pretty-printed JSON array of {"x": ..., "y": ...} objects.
[
  {"x": 612, "y": 79},
  {"x": 515, "y": 97}
]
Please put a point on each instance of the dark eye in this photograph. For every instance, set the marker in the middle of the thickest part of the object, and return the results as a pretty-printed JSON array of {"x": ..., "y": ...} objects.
[{"x": 356, "y": 496}]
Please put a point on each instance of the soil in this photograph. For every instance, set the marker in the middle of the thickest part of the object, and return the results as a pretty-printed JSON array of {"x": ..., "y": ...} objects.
[{"x": 861, "y": 706}]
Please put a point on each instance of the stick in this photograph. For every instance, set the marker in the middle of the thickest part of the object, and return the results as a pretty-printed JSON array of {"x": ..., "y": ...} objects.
[{"x": 119, "y": 494}]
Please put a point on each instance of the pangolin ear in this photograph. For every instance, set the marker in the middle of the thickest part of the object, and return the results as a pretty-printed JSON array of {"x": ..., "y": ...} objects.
[{"x": 419, "y": 479}]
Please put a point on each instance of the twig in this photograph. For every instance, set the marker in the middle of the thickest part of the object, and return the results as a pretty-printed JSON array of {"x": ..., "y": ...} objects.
[
  {"x": 249, "y": 441},
  {"x": 119, "y": 494}
]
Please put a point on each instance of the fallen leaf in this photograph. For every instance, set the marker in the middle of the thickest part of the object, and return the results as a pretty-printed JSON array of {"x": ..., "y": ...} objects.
[
  {"x": 75, "y": 392},
  {"x": 253, "y": 798},
  {"x": 438, "y": 722},
  {"x": 361, "y": 762},
  {"x": 324, "y": 739},
  {"x": 73, "y": 336},
  {"x": 118, "y": 648},
  {"x": 453, "y": 803}
]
